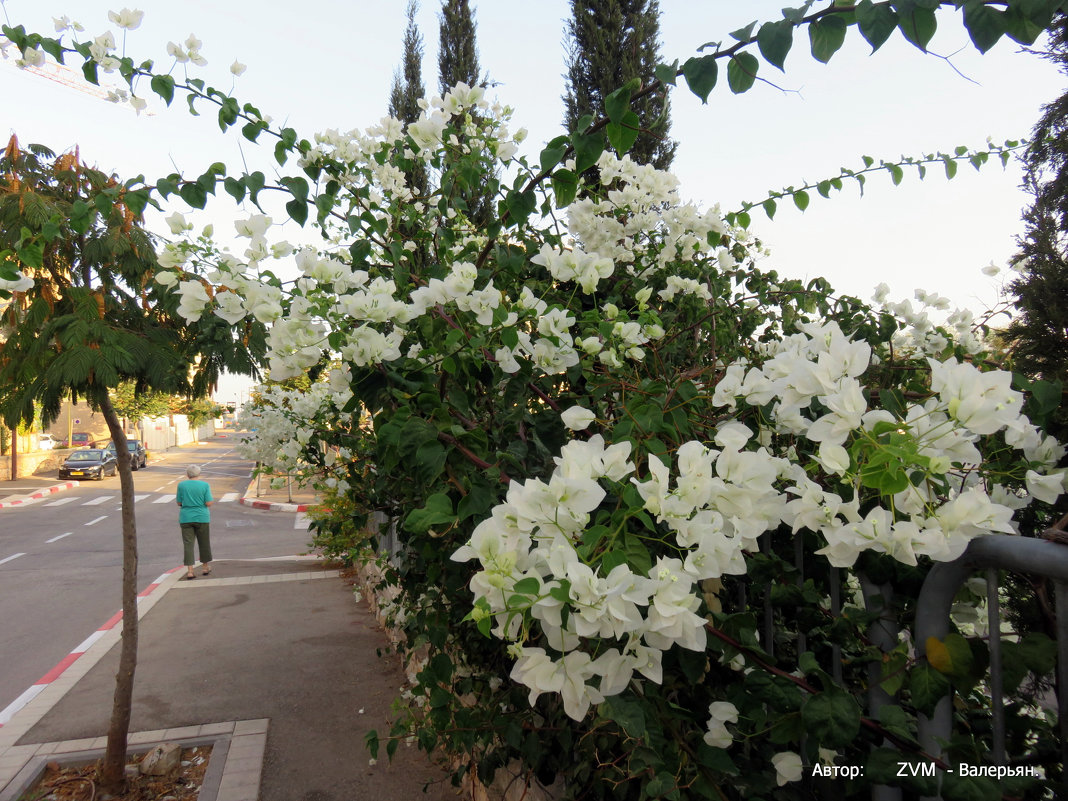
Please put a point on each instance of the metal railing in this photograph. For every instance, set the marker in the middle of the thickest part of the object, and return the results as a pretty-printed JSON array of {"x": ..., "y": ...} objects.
[{"x": 993, "y": 553}]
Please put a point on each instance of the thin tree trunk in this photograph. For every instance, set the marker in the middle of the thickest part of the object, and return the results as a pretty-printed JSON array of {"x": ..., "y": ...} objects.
[{"x": 113, "y": 777}]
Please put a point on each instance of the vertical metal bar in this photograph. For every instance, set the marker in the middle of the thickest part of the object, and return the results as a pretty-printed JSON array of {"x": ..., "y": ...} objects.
[
  {"x": 836, "y": 610},
  {"x": 994, "y": 632},
  {"x": 799, "y": 563},
  {"x": 768, "y": 640},
  {"x": 289, "y": 486},
  {"x": 1061, "y": 596}
]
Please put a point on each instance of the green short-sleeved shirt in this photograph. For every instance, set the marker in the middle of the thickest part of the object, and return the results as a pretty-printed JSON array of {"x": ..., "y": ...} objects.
[{"x": 193, "y": 495}]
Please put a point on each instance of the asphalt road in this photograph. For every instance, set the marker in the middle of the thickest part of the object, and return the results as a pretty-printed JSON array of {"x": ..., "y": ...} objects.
[{"x": 61, "y": 558}]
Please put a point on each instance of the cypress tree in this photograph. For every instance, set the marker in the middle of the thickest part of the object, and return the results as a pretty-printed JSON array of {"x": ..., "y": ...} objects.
[
  {"x": 457, "y": 53},
  {"x": 468, "y": 179},
  {"x": 408, "y": 80},
  {"x": 1039, "y": 334},
  {"x": 408, "y": 89},
  {"x": 609, "y": 42}
]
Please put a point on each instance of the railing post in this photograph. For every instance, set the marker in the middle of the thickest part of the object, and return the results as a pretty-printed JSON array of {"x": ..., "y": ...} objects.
[{"x": 883, "y": 633}]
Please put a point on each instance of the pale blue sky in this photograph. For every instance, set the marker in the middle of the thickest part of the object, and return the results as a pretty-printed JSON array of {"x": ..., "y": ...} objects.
[{"x": 323, "y": 63}]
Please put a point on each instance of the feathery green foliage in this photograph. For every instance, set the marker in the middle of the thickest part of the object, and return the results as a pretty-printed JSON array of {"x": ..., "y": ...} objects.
[{"x": 609, "y": 43}]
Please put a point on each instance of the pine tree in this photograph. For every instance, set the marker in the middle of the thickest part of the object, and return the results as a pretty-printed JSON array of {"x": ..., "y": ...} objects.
[
  {"x": 457, "y": 51},
  {"x": 610, "y": 42},
  {"x": 1039, "y": 334}
]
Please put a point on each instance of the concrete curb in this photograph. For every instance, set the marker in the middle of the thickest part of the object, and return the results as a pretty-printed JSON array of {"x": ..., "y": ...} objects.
[
  {"x": 62, "y": 676},
  {"x": 39, "y": 495},
  {"x": 245, "y": 500}
]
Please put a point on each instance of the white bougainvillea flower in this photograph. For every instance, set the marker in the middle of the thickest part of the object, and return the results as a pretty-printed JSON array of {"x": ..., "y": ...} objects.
[
  {"x": 720, "y": 714},
  {"x": 1046, "y": 488},
  {"x": 237, "y": 68},
  {"x": 128, "y": 19},
  {"x": 788, "y": 767},
  {"x": 577, "y": 418},
  {"x": 177, "y": 52}
]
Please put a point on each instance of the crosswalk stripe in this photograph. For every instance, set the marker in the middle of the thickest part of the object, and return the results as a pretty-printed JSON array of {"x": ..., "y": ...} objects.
[
  {"x": 301, "y": 521},
  {"x": 164, "y": 498},
  {"x": 139, "y": 498},
  {"x": 228, "y": 497},
  {"x": 95, "y": 501},
  {"x": 60, "y": 502}
]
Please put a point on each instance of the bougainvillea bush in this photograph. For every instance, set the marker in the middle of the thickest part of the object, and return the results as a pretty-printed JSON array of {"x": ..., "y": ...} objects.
[{"x": 651, "y": 497}]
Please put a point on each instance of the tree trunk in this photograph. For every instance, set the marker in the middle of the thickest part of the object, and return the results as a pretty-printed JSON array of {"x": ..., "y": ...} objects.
[{"x": 113, "y": 777}]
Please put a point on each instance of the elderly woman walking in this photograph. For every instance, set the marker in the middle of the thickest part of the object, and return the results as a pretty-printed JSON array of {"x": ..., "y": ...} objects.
[{"x": 194, "y": 498}]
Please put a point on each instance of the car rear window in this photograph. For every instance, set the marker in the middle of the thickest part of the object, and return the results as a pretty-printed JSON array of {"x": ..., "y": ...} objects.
[{"x": 86, "y": 456}]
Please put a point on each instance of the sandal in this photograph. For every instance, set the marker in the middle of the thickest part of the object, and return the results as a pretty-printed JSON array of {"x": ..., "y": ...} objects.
[
  {"x": 206, "y": 572},
  {"x": 187, "y": 577}
]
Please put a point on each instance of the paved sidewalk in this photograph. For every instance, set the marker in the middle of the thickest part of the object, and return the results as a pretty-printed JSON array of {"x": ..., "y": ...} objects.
[{"x": 275, "y": 658}]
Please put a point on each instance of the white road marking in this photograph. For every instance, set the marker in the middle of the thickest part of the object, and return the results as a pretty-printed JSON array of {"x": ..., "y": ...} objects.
[
  {"x": 10, "y": 558},
  {"x": 61, "y": 536},
  {"x": 95, "y": 501},
  {"x": 160, "y": 489},
  {"x": 301, "y": 521},
  {"x": 139, "y": 498},
  {"x": 60, "y": 502},
  {"x": 165, "y": 498},
  {"x": 228, "y": 497},
  {"x": 97, "y": 520}
]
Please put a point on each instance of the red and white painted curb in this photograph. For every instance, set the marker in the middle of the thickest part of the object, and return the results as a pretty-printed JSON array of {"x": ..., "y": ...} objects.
[
  {"x": 272, "y": 507},
  {"x": 277, "y": 507},
  {"x": 39, "y": 494},
  {"x": 38, "y": 686}
]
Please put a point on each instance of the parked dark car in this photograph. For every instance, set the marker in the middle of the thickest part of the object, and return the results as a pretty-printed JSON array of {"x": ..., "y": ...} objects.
[
  {"x": 89, "y": 463},
  {"x": 138, "y": 454}
]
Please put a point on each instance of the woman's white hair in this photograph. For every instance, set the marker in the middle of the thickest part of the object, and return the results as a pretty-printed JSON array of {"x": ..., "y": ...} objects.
[{"x": 193, "y": 471}]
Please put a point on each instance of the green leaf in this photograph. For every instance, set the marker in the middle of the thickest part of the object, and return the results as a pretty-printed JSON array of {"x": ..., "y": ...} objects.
[
  {"x": 896, "y": 173},
  {"x": 744, "y": 34},
  {"x": 985, "y": 25},
  {"x": 527, "y": 586},
  {"x": 951, "y": 167},
  {"x": 770, "y": 207},
  {"x": 918, "y": 24},
  {"x": 927, "y": 686},
  {"x": 430, "y": 461},
  {"x": 89, "y": 71},
  {"x": 553, "y": 152},
  {"x": 618, "y": 102},
  {"x": 826, "y": 37},
  {"x": 298, "y": 211},
  {"x": 438, "y": 510},
  {"x": 163, "y": 85},
  {"x": 623, "y": 136},
  {"x": 666, "y": 73},
  {"x": 627, "y": 712},
  {"x": 951, "y": 656},
  {"x": 742, "y": 72},
  {"x": 565, "y": 187},
  {"x": 775, "y": 40},
  {"x": 588, "y": 148},
  {"x": 701, "y": 73},
  {"x": 832, "y": 717},
  {"x": 801, "y": 199}
]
